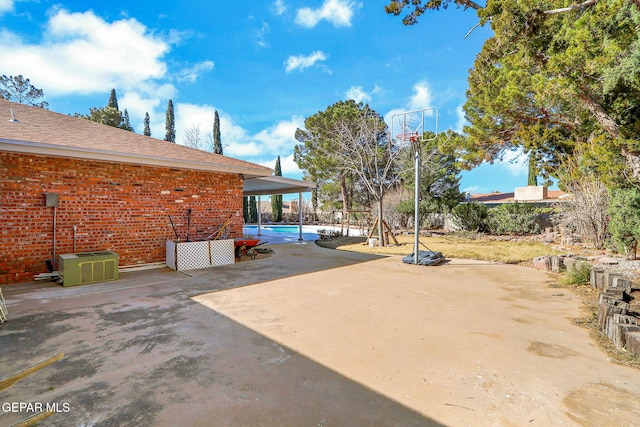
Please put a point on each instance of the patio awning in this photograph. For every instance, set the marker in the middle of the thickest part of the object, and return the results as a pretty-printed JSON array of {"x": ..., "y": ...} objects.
[{"x": 270, "y": 185}]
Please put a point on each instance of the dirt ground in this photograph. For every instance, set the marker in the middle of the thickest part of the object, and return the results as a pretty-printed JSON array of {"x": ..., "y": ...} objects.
[{"x": 315, "y": 337}]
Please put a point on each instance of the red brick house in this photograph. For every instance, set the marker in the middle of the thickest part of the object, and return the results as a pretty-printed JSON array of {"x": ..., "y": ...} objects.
[{"x": 114, "y": 190}]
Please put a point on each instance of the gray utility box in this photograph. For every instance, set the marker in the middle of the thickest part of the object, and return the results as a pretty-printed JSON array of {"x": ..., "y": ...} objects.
[{"x": 88, "y": 267}]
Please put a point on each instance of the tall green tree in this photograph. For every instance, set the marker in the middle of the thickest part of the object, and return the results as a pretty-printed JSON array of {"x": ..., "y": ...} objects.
[
  {"x": 18, "y": 89},
  {"x": 316, "y": 153},
  {"x": 253, "y": 209},
  {"x": 624, "y": 225},
  {"x": 553, "y": 78},
  {"x": 147, "y": 125},
  {"x": 245, "y": 209},
  {"x": 349, "y": 143},
  {"x": 126, "y": 125},
  {"x": 113, "y": 100},
  {"x": 105, "y": 115},
  {"x": 217, "y": 141},
  {"x": 532, "y": 179},
  {"x": 170, "y": 124},
  {"x": 276, "y": 200},
  {"x": 439, "y": 174}
]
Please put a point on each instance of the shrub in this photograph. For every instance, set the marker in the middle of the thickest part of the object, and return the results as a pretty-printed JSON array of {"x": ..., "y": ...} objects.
[
  {"x": 624, "y": 223},
  {"x": 471, "y": 216},
  {"x": 514, "y": 218},
  {"x": 579, "y": 274}
]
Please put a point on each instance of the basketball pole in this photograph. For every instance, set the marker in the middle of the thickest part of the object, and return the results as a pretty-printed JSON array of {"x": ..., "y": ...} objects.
[
  {"x": 416, "y": 222},
  {"x": 409, "y": 133}
]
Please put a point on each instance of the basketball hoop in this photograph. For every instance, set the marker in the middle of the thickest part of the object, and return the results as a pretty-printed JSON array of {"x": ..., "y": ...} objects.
[
  {"x": 412, "y": 131},
  {"x": 408, "y": 137}
]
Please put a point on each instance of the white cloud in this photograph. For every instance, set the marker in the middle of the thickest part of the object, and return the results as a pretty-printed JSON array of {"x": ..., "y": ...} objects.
[
  {"x": 82, "y": 53},
  {"x": 338, "y": 12},
  {"x": 262, "y": 147},
  {"x": 278, "y": 7},
  {"x": 358, "y": 94},
  {"x": 302, "y": 62},
  {"x": 422, "y": 96},
  {"x": 416, "y": 115},
  {"x": 515, "y": 163},
  {"x": 6, "y": 6},
  {"x": 191, "y": 74},
  {"x": 280, "y": 138},
  {"x": 261, "y": 35},
  {"x": 288, "y": 166},
  {"x": 462, "y": 121}
]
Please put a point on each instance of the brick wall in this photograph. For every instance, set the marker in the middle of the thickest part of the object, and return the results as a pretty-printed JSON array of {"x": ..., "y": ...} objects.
[{"x": 118, "y": 207}]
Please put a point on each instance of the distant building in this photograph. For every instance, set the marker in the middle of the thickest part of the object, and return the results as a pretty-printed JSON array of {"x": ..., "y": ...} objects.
[{"x": 538, "y": 195}]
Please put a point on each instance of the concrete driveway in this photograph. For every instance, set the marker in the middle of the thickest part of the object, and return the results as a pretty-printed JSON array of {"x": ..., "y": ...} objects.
[{"x": 319, "y": 338}]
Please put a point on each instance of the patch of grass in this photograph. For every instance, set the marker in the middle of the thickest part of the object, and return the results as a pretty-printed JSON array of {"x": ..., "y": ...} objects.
[
  {"x": 510, "y": 252},
  {"x": 578, "y": 275}
]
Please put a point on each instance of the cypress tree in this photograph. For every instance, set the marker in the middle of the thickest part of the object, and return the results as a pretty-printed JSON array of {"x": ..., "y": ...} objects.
[
  {"x": 533, "y": 177},
  {"x": 245, "y": 209},
  {"x": 113, "y": 100},
  {"x": 276, "y": 201},
  {"x": 126, "y": 125},
  {"x": 253, "y": 209},
  {"x": 217, "y": 142},
  {"x": 170, "y": 124},
  {"x": 147, "y": 125}
]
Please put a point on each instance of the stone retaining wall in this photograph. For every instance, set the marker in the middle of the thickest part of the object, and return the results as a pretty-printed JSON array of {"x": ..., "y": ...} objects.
[{"x": 618, "y": 300}]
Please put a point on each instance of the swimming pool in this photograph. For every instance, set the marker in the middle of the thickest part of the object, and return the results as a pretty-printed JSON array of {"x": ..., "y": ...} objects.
[
  {"x": 286, "y": 233},
  {"x": 281, "y": 233}
]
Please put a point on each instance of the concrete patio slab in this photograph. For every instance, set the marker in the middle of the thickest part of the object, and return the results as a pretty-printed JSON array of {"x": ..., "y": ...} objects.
[{"x": 313, "y": 337}]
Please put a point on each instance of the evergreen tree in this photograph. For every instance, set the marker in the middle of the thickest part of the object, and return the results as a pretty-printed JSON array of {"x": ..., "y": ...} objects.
[
  {"x": 113, "y": 100},
  {"x": 19, "y": 89},
  {"x": 217, "y": 142},
  {"x": 533, "y": 173},
  {"x": 276, "y": 201},
  {"x": 147, "y": 125},
  {"x": 170, "y": 124},
  {"x": 245, "y": 209},
  {"x": 253, "y": 209},
  {"x": 106, "y": 115},
  {"x": 125, "y": 122}
]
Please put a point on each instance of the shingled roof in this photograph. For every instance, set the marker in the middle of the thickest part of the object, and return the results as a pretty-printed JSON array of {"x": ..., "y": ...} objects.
[{"x": 33, "y": 130}]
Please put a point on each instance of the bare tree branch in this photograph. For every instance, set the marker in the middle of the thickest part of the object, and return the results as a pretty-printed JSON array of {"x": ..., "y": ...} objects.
[{"x": 580, "y": 6}]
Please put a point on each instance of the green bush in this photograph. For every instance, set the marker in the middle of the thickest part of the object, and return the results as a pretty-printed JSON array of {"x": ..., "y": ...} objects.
[
  {"x": 471, "y": 216},
  {"x": 624, "y": 223},
  {"x": 514, "y": 218}
]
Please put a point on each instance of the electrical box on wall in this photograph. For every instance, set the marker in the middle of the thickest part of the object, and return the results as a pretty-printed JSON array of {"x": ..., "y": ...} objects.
[{"x": 52, "y": 200}]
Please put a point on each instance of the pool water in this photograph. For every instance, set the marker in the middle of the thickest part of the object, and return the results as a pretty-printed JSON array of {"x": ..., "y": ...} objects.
[
  {"x": 280, "y": 229},
  {"x": 275, "y": 234},
  {"x": 288, "y": 233}
]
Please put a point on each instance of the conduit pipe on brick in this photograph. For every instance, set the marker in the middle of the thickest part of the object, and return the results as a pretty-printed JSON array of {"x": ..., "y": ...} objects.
[{"x": 55, "y": 261}]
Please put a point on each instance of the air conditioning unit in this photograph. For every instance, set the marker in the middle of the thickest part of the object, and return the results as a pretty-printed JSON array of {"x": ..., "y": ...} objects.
[{"x": 87, "y": 267}]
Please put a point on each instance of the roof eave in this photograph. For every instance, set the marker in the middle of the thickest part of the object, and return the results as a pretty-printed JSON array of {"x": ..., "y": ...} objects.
[{"x": 43, "y": 149}]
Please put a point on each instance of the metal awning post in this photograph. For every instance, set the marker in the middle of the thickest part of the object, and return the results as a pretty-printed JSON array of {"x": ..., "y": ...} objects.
[
  {"x": 259, "y": 216},
  {"x": 300, "y": 216}
]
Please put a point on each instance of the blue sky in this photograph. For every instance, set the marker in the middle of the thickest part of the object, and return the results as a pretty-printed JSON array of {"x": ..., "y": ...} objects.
[{"x": 264, "y": 65}]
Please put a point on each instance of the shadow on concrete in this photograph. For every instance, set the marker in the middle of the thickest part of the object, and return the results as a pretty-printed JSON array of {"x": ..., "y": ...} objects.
[
  {"x": 150, "y": 356},
  {"x": 288, "y": 260}
]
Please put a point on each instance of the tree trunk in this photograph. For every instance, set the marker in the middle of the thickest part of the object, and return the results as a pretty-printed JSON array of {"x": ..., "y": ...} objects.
[
  {"x": 345, "y": 203},
  {"x": 380, "y": 223},
  {"x": 613, "y": 129},
  {"x": 605, "y": 120}
]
